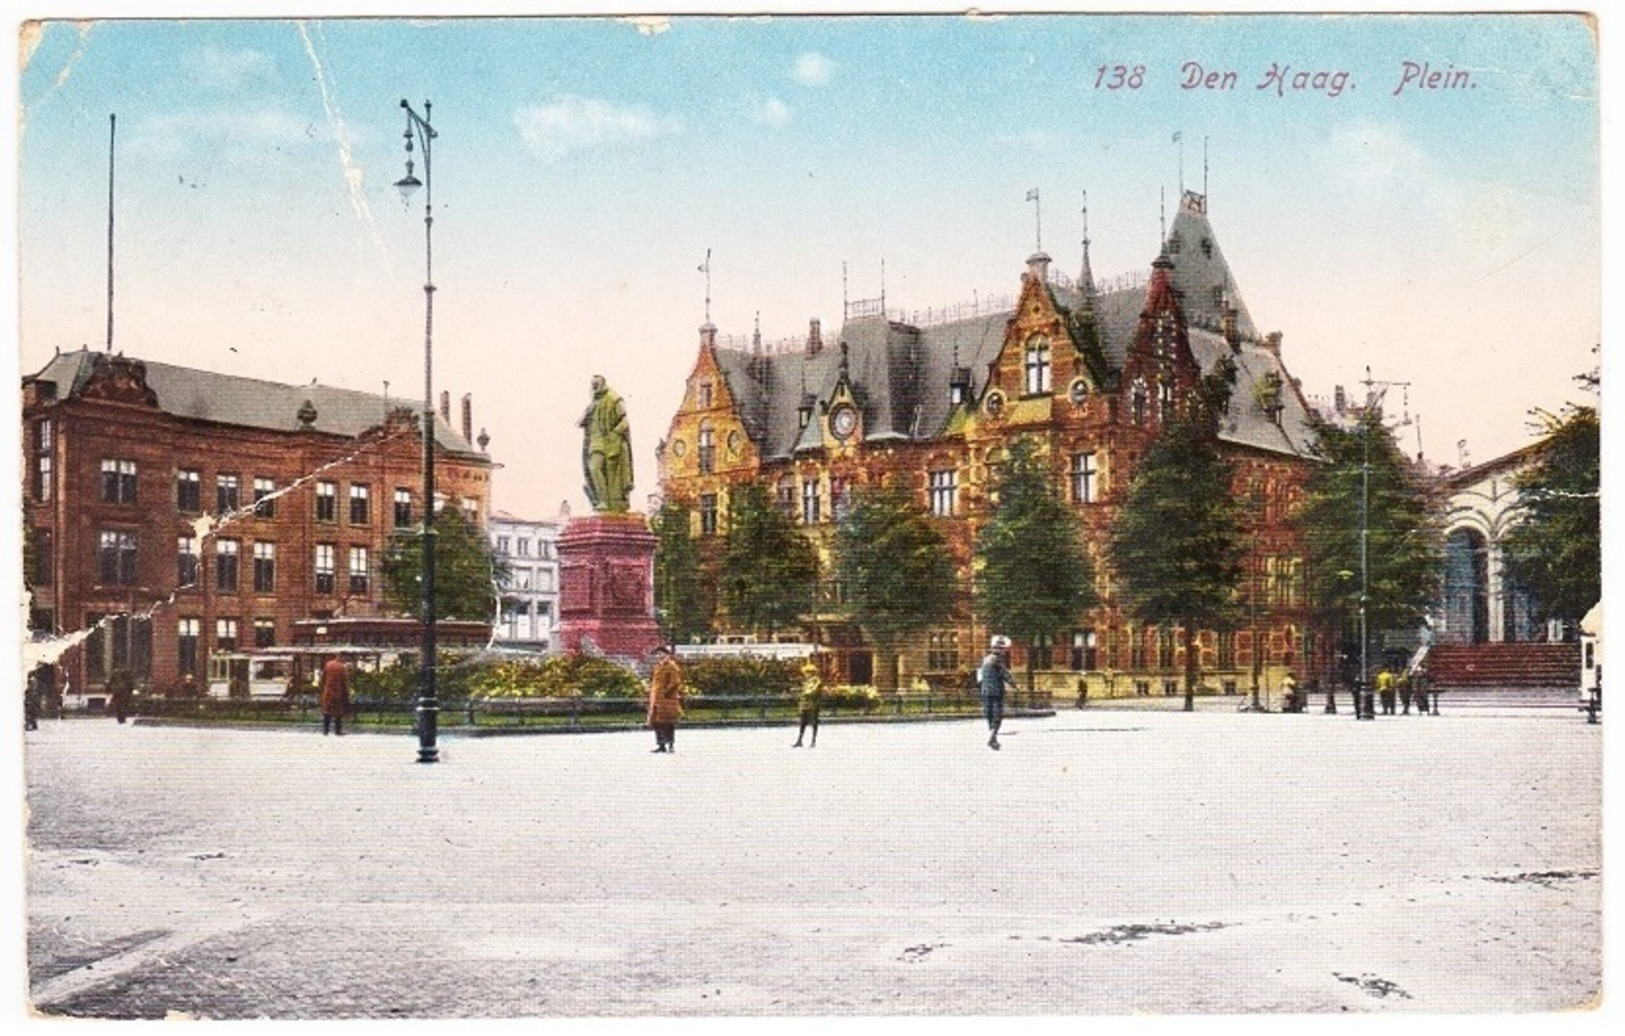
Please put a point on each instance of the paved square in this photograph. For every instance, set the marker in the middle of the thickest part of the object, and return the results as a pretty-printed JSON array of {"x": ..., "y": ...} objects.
[{"x": 1105, "y": 862}]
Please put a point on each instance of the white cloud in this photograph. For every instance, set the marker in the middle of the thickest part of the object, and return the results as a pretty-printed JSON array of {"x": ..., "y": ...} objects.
[
  {"x": 769, "y": 112},
  {"x": 812, "y": 69},
  {"x": 230, "y": 69},
  {"x": 570, "y": 123}
]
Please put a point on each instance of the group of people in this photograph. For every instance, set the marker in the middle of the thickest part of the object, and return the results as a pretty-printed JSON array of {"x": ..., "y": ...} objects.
[
  {"x": 1391, "y": 685},
  {"x": 666, "y": 701}
]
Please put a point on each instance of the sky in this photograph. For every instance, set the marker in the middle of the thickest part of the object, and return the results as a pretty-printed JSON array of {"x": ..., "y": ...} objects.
[{"x": 1445, "y": 240}]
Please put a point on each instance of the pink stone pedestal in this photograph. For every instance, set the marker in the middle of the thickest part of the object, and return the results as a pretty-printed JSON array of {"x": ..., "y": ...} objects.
[{"x": 606, "y": 585}]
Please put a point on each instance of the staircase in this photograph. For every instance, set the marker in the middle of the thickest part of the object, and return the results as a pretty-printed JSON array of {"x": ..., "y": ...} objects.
[{"x": 1469, "y": 667}]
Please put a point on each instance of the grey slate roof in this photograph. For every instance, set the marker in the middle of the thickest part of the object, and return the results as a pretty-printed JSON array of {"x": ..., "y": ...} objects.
[
  {"x": 228, "y": 399},
  {"x": 902, "y": 372}
]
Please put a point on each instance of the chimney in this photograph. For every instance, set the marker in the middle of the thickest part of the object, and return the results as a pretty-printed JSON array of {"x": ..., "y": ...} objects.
[
  {"x": 1038, "y": 267},
  {"x": 468, "y": 417},
  {"x": 815, "y": 337},
  {"x": 708, "y": 335},
  {"x": 1340, "y": 400},
  {"x": 445, "y": 406}
]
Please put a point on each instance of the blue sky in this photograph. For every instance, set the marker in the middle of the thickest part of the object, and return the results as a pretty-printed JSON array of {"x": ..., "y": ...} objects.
[{"x": 1444, "y": 238}]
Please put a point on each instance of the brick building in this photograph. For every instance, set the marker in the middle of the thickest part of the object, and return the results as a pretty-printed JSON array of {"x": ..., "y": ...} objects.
[
  {"x": 1088, "y": 371},
  {"x": 173, "y": 512}
]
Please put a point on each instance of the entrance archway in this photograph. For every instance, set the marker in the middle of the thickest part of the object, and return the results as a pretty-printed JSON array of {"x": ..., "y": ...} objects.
[{"x": 1466, "y": 588}]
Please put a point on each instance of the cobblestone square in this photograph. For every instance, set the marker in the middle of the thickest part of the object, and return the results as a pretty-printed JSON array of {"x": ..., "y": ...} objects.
[{"x": 1106, "y": 862}]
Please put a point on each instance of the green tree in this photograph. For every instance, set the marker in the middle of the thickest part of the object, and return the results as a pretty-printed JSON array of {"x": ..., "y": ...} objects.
[
  {"x": 1364, "y": 473},
  {"x": 680, "y": 599},
  {"x": 768, "y": 570},
  {"x": 896, "y": 571},
  {"x": 466, "y": 574},
  {"x": 1178, "y": 543},
  {"x": 1034, "y": 577},
  {"x": 1556, "y": 549}
]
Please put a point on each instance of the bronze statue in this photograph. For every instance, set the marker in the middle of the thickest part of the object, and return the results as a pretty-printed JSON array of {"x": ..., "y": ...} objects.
[{"x": 606, "y": 450}]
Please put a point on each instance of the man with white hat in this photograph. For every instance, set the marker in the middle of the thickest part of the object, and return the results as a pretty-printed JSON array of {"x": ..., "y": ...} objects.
[{"x": 995, "y": 676}]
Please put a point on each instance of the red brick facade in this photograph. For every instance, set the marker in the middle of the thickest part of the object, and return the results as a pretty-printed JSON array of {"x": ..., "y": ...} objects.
[{"x": 121, "y": 476}]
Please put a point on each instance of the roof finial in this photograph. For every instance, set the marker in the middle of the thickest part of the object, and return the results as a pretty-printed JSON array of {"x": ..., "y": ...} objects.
[
  {"x": 1086, "y": 279},
  {"x": 1038, "y": 220},
  {"x": 1162, "y": 213},
  {"x": 1204, "y": 173}
]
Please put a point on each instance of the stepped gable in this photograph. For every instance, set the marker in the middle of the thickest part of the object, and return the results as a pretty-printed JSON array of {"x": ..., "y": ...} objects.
[{"x": 200, "y": 395}]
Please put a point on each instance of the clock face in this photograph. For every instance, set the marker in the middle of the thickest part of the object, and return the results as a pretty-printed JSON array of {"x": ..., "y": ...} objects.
[{"x": 843, "y": 422}]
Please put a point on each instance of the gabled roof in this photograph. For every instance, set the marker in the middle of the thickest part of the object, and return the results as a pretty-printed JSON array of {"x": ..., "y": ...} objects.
[{"x": 249, "y": 402}]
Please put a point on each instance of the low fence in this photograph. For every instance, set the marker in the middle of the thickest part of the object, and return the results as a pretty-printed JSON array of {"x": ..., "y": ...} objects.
[{"x": 579, "y": 713}]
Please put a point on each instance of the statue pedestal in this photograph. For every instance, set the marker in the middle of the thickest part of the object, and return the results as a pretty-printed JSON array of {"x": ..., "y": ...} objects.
[{"x": 606, "y": 585}]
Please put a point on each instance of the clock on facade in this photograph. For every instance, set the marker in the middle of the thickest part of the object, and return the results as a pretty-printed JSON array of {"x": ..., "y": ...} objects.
[{"x": 843, "y": 421}]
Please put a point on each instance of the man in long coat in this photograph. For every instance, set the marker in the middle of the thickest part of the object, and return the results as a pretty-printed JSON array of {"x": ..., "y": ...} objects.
[
  {"x": 335, "y": 694},
  {"x": 606, "y": 450},
  {"x": 665, "y": 699}
]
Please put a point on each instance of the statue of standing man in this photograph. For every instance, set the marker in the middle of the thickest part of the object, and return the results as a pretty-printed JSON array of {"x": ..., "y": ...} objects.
[{"x": 606, "y": 450}]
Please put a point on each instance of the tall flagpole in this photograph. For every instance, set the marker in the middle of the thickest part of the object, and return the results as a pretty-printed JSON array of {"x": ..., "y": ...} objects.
[{"x": 112, "y": 129}]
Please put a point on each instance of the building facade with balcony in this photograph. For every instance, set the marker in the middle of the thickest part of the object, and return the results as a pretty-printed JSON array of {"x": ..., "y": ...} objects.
[
  {"x": 528, "y": 616},
  {"x": 929, "y": 403},
  {"x": 171, "y": 513}
]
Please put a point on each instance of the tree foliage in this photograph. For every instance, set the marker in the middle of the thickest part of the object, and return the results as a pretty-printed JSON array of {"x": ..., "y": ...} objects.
[
  {"x": 466, "y": 574},
  {"x": 769, "y": 571},
  {"x": 1178, "y": 544},
  {"x": 680, "y": 598},
  {"x": 896, "y": 571},
  {"x": 1556, "y": 549},
  {"x": 1401, "y": 531},
  {"x": 1034, "y": 576}
]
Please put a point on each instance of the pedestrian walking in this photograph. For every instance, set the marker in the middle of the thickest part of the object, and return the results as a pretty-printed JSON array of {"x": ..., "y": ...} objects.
[
  {"x": 120, "y": 689},
  {"x": 1289, "y": 688},
  {"x": 1385, "y": 690},
  {"x": 1404, "y": 682},
  {"x": 33, "y": 699},
  {"x": 811, "y": 700},
  {"x": 335, "y": 694},
  {"x": 994, "y": 676},
  {"x": 665, "y": 699}
]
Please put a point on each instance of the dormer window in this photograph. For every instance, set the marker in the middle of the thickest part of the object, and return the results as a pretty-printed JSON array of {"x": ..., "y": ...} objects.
[
  {"x": 1175, "y": 242},
  {"x": 1207, "y": 247},
  {"x": 704, "y": 392}
]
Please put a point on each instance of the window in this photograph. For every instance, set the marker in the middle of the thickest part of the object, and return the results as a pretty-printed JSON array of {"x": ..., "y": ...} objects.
[
  {"x": 705, "y": 395},
  {"x": 327, "y": 501},
  {"x": 1037, "y": 366},
  {"x": 225, "y": 634},
  {"x": 264, "y": 568},
  {"x": 840, "y": 498},
  {"x": 403, "y": 508},
  {"x": 358, "y": 570},
  {"x": 186, "y": 561},
  {"x": 324, "y": 567},
  {"x": 708, "y": 449},
  {"x": 42, "y": 477},
  {"x": 188, "y": 491},
  {"x": 118, "y": 481},
  {"x": 785, "y": 496},
  {"x": 1137, "y": 402},
  {"x": 225, "y": 564},
  {"x": 944, "y": 492},
  {"x": 524, "y": 547},
  {"x": 1165, "y": 400},
  {"x": 503, "y": 544},
  {"x": 523, "y": 577},
  {"x": 227, "y": 494},
  {"x": 1227, "y": 649},
  {"x": 264, "y": 633},
  {"x": 544, "y": 580},
  {"x": 1083, "y": 478},
  {"x": 44, "y": 558},
  {"x": 1085, "y": 650},
  {"x": 544, "y": 549},
  {"x": 118, "y": 558},
  {"x": 264, "y": 497},
  {"x": 1136, "y": 649},
  {"x": 708, "y": 514},
  {"x": 186, "y": 634},
  {"x": 809, "y": 500},
  {"x": 942, "y": 650},
  {"x": 360, "y": 504},
  {"x": 44, "y": 445},
  {"x": 1165, "y": 647}
]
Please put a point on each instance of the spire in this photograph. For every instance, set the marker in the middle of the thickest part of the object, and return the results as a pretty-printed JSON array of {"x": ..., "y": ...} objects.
[{"x": 1086, "y": 277}]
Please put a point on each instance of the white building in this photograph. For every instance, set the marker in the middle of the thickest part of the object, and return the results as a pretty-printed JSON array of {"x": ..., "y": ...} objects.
[{"x": 529, "y": 616}]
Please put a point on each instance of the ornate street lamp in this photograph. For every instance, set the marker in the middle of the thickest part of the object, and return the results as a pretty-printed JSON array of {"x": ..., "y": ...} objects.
[{"x": 428, "y": 708}]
